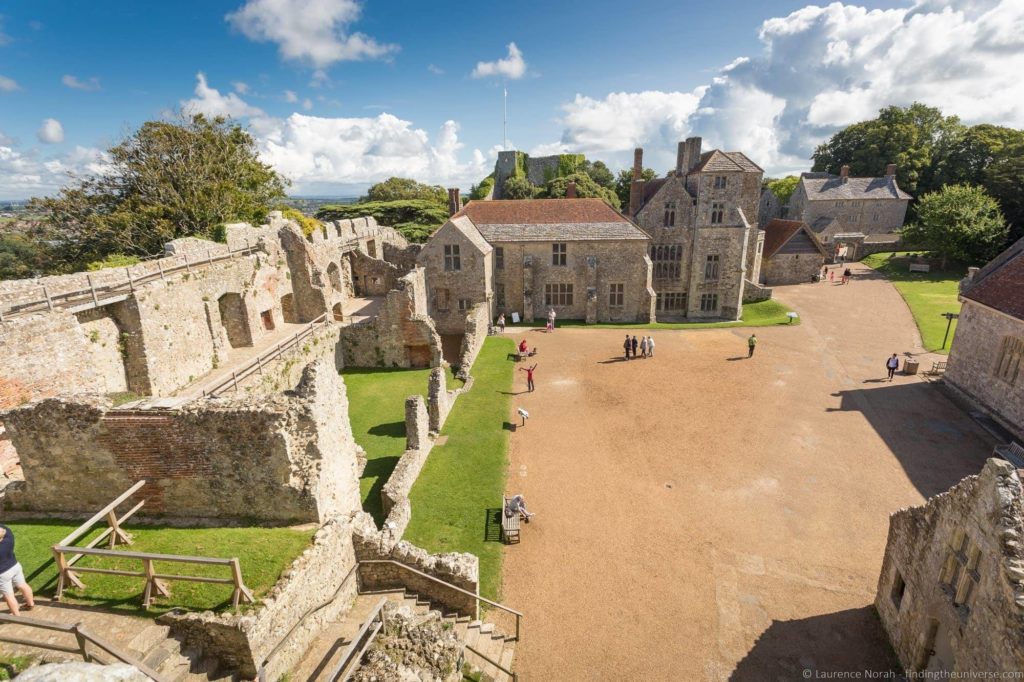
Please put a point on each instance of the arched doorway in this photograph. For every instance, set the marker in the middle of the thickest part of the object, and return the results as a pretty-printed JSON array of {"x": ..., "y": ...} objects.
[
  {"x": 334, "y": 275},
  {"x": 235, "y": 319},
  {"x": 336, "y": 311}
]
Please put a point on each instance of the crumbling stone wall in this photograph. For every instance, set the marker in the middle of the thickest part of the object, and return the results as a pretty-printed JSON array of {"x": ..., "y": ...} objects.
[
  {"x": 966, "y": 540},
  {"x": 400, "y": 335},
  {"x": 373, "y": 276},
  {"x": 207, "y": 459},
  {"x": 477, "y": 323}
]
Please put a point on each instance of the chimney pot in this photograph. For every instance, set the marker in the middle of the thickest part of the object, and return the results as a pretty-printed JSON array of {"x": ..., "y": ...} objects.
[
  {"x": 570, "y": 190},
  {"x": 454, "y": 203},
  {"x": 890, "y": 169}
]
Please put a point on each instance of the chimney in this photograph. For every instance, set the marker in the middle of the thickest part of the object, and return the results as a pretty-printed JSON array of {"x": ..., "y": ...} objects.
[
  {"x": 454, "y": 205},
  {"x": 681, "y": 158},
  {"x": 890, "y": 169},
  {"x": 972, "y": 272},
  {"x": 570, "y": 190},
  {"x": 691, "y": 157},
  {"x": 636, "y": 188},
  {"x": 844, "y": 174}
]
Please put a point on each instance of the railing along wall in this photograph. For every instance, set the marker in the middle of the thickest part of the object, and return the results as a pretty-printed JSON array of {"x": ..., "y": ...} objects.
[{"x": 66, "y": 556}]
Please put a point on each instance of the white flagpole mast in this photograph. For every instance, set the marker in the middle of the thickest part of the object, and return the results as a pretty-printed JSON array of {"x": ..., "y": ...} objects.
[{"x": 504, "y": 119}]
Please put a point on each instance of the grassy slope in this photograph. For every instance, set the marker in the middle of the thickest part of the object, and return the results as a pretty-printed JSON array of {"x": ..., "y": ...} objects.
[
  {"x": 263, "y": 552},
  {"x": 460, "y": 487},
  {"x": 761, "y": 314},
  {"x": 928, "y": 295}
]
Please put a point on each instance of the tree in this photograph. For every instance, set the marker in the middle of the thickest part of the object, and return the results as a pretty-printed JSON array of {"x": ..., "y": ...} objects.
[
  {"x": 961, "y": 222},
  {"x": 21, "y": 256},
  {"x": 416, "y": 219},
  {"x": 624, "y": 181},
  {"x": 967, "y": 156},
  {"x": 519, "y": 188},
  {"x": 398, "y": 189},
  {"x": 168, "y": 179},
  {"x": 1004, "y": 179},
  {"x": 586, "y": 188},
  {"x": 783, "y": 188},
  {"x": 599, "y": 173}
]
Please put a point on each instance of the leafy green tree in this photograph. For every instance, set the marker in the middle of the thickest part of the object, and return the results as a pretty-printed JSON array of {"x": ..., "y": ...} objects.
[
  {"x": 967, "y": 156},
  {"x": 783, "y": 188},
  {"x": 398, "y": 189},
  {"x": 624, "y": 180},
  {"x": 961, "y": 222},
  {"x": 22, "y": 257},
  {"x": 168, "y": 179},
  {"x": 586, "y": 188},
  {"x": 1004, "y": 179},
  {"x": 599, "y": 173},
  {"x": 416, "y": 219},
  {"x": 519, "y": 188}
]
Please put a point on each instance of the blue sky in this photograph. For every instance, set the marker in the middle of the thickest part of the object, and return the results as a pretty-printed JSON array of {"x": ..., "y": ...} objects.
[{"x": 340, "y": 93}]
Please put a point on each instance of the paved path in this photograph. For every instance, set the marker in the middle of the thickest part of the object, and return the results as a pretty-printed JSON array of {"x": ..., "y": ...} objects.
[{"x": 703, "y": 516}]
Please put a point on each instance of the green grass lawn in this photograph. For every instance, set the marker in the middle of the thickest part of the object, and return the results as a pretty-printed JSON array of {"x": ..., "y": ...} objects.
[
  {"x": 928, "y": 295},
  {"x": 263, "y": 553},
  {"x": 761, "y": 314},
  {"x": 376, "y": 409},
  {"x": 457, "y": 497}
]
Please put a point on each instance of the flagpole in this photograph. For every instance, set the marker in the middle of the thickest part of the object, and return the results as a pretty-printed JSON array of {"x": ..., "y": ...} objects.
[{"x": 504, "y": 118}]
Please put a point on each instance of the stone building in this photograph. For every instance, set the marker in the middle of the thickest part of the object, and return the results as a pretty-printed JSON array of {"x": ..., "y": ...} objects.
[
  {"x": 844, "y": 210},
  {"x": 951, "y": 590},
  {"x": 792, "y": 253},
  {"x": 986, "y": 360},
  {"x": 702, "y": 220},
  {"x": 578, "y": 256}
]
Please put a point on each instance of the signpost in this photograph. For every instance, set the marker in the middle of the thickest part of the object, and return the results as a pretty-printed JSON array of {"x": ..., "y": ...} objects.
[{"x": 949, "y": 322}]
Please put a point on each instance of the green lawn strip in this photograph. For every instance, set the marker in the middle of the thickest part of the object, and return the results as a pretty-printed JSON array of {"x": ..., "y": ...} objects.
[
  {"x": 760, "y": 314},
  {"x": 376, "y": 410},
  {"x": 458, "y": 493},
  {"x": 262, "y": 552},
  {"x": 928, "y": 295}
]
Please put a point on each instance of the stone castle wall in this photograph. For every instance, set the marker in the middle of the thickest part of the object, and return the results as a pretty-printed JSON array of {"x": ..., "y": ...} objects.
[
  {"x": 791, "y": 268},
  {"x": 477, "y": 323}
]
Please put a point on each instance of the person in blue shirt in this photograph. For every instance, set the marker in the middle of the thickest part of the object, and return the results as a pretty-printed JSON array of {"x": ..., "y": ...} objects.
[{"x": 11, "y": 575}]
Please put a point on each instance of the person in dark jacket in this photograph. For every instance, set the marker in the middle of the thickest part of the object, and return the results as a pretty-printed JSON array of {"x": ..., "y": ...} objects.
[
  {"x": 11, "y": 575},
  {"x": 633, "y": 344}
]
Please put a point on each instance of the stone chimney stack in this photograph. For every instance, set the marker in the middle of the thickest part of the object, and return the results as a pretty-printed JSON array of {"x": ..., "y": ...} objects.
[
  {"x": 681, "y": 158},
  {"x": 691, "y": 154},
  {"x": 454, "y": 204},
  {"x": 890, "y": 169},
  {"x": 844, "y": 174},
  {"x": 636, "y": 188},
  {"x": 570, "y": 190}
]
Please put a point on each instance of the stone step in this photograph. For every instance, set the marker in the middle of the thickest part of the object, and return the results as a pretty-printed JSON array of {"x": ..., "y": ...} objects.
[{"x": 148, "y": 637}]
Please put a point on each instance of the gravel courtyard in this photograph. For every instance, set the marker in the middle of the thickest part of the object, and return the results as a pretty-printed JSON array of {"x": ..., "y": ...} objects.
[{"x": 702, "y": 516}]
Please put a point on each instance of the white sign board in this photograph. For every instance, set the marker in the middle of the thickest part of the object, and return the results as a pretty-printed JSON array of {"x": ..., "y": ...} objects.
[{"x": 515, "y": 318}]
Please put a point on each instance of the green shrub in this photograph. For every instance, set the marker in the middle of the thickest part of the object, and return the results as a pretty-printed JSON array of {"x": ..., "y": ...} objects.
[
  {"x": 415, "y": 211},
  {"x": 114, "y": 260}
]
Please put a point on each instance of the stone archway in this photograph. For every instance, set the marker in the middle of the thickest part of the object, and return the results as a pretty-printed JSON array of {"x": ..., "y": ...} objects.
[
  {"x": 235, "y": 319},
  {"x": 336, "y": 311},
  {"x": 334, "y": 276}
]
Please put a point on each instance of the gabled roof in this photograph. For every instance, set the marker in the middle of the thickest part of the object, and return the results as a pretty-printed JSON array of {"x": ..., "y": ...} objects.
[
  {"x": 466, "y": 227},
  {"x": 825, "y": 187},
  {"x": 1000, "y": 284},
  {"x": 724, "y": 162},
  {"x": 513, "y": 220},
  {"x": 778, "y": 232}
]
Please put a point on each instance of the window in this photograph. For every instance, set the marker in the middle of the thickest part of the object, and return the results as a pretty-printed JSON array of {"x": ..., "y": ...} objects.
[
  {"x": 557, "y": 294},
  {"x": 960, "y": 574},
  {"x": 499, "y": 258},
  {"x": 1011, "y": 357},
  {"x": 452, "y": 261},
  {"x": 671, "y": 301},
  {"x": 711, "y": 268},
  {"x": 441, "y": 300},
  {"x": 371, "y": 249},
  {"x": 720, "y": 181},
  {"x": 875, "y": 217},
  {"x": 667, "y": 259},
  {"x": 708, "y": 303},
  {"x": 898, "y": 589},
  {"x": 839, "y": 204},
  {"x": 670, "y": 214},
  {"x": 616, "y": 295},
  {"x": 558, "y": 252},
  {"x": 717, "y": 213},
  {"x": 464, "y": 304},
  {"x": 499, "y": 296}
]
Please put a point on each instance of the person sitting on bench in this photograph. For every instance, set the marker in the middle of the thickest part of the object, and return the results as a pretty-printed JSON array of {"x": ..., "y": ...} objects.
[
  {"x": 517, "y": 505},
  {"x": 522, "y": 347}
]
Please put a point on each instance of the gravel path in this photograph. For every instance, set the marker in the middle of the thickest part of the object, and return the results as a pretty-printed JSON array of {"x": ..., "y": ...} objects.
[{"x": 703, "y": 516}]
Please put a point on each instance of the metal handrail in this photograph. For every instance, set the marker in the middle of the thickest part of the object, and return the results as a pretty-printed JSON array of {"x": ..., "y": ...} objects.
[
  {"x": 497, "y": 665},
  {"x": 81, "y": 635},
  {"x": 353, "y": 650},
  {"x": 256, "y": 365},
  {"x": 477, "y": 597}
]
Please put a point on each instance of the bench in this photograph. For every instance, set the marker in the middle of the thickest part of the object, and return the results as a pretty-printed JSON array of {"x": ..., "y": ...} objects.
[
  {"x": 509, "y": 524},
  {"x": 920, "y": 267},
  {"x": 938, "y": 367},
  {"x": 1012, "y": 453}
]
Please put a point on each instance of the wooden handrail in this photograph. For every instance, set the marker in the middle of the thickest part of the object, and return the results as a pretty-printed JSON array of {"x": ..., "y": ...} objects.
[
  {"x": 85, "y": 527},
  {"x": 354, "y": 650},
  {"x": 493, "y": 662}
]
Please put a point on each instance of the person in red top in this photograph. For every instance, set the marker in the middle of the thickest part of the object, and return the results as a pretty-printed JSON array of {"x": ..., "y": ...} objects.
[
  {"x": 522, "y": 347},
  {"x": 529, "y": 377}
]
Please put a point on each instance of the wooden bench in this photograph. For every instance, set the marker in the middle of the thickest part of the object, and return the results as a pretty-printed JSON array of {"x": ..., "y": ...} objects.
[
  {"x": 920, "y": 267},
  {"x": 1012, "y": 453},
  {"x": 509, "y": 524},
  {"x": 938, "y": 367}
]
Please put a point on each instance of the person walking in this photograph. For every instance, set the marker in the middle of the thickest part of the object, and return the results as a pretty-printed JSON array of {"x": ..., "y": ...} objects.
[
  {"x": 529, "y": 377},
  {"x": 11, "y": 574},
  {"x": 892, "y": 364},
  {"x": 625, "y": 346},
  {"x": 824, "y": 271},
  {"x": 501, "y": 323},
  {"x": 551, "y": 319},
  {"x": 643, "y": 347},
  {"x": 751, "y": 344},
  {"x": 846, "y": 275},
  {"x": 633, "y": 344},
  {"x": 650, "y": 346}
]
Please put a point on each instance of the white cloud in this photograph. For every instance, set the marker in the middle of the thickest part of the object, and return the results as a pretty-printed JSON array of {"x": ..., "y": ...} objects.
[
  {"x": 51, "y": 132},
  {"x": 307, "y": 104},
  {"x": 211, "y": 102},
  {"x": 313, "y": 31},
  {"x": 27, "y": 174},
  {"x": 241, "y": 87},
  {"x": 72, "y": 82},
  {"x": 434, "y": 69},
  {"x": 512, "y": 67},
  {"x": 290, "y": 96},
  {"x": 8, "y": 84}
]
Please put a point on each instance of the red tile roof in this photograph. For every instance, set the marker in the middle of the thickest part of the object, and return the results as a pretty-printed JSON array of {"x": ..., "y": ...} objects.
[
  {"x": 540, "y": 211},
  {"x": 777, "y": 233},
  {"x": 1003, "y": 287}
]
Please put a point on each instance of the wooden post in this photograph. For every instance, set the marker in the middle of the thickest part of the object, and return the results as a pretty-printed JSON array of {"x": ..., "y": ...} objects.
[
  {"x": 241, "y": 592},
  {"x": 116, "y": 534},
  {"x": 209, "y": 256},
  {"x": 187, "y": 266},
  {"x": 131, "y": 284},
  {"x": 1, "y": 313},
  {"x": 147, "y": 596},
  {"x": 46, "y": 295},
  {"x": 160, "y": 265},
  {"x": 234, "y": 380},
  {"x": 80, "y": 638},
  {"x": 259, "y": 364},
  {"x": 92, "y": 288}
]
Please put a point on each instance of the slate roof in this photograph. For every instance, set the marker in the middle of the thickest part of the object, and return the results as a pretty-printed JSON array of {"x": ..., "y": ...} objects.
[
  {"x": 777, "y": 232},
  {"x": 1000, "y": 284},
  {"x": 518, "y": 220},
  {"x": 832, "y": 188},
  {"x": 466, "y": 227},
  {"x": 718, "y": 161}
]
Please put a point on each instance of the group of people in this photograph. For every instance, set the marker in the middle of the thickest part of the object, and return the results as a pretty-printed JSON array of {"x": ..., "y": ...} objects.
[
  {"x": 844, "y": 278},
  {"x": 645, "y": 345}
]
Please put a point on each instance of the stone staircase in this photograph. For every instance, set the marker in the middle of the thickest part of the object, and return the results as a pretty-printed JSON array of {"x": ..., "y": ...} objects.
[
  {"x": 326, "y": 650},
  {"x": 141, "y": 638}
]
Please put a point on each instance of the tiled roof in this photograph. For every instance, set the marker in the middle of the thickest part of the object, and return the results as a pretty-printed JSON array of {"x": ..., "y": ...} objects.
[
  {"x": 717, "y": 160},
  {"x": 831, "y": 188},
  {"x": 1000, "y": 284},
  {"x": 776, "y": 233},
  {"x": 511, "y": 220}
]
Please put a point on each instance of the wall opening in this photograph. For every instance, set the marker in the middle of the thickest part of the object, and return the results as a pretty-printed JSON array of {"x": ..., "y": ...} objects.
[
  {"x": 336, "y": 311},
  {"x": 371, "y": 248},
  {"x": 899, "y": 587},
  {"x": 267, "y": 318},
  {"x": 334, "y": 275},
  {"x": 288, "y": 309},
  {"x": 235, "y": 319}
]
